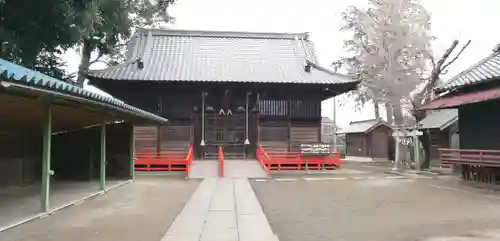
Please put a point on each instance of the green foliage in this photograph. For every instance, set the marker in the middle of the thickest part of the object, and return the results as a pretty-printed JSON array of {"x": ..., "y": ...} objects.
[
  {"x": 29, "y": 29},
  {"x": 34, "y": 33}
]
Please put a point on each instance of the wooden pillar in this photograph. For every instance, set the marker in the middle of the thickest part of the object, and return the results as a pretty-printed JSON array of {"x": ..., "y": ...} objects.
[
  {"x": 132, "y": 152},
  {"x": 102, "y": 182},
  {"x": 46, "y": 156}
]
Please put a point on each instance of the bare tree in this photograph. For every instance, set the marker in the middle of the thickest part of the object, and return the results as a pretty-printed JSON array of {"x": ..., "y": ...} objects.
[
  {"x": 426, "y": 94},
  {"x": 390, "y": 50}
]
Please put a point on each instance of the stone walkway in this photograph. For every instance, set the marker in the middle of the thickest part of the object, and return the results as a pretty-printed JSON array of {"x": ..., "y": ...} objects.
[
  {"x": 232, "y": 169},
  {"x": 222, "y": 209}
]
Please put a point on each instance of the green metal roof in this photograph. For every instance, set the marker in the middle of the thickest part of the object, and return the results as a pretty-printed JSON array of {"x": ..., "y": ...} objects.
[{"x": 20, "y": 75}]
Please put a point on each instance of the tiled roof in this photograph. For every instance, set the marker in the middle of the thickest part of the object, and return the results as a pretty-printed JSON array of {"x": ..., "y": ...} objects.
[
  {"x": 456, "y": 100},
  {"x": 439, "y": 119},
  {"x": 485, "y": 70},
  {"x": 26, "y": 77},
  {"x": 364, "y": 126},
  {"x": 182, "y": 55}
]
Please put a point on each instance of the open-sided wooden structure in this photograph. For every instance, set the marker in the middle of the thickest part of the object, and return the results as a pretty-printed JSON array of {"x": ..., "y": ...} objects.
[
  {"x": 475, "y": 93},
  {"x": 52, "y": 130},
  {"x": 235, "y": 89}
]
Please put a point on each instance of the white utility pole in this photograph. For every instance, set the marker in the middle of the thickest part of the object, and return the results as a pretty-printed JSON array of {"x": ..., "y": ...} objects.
[{"x": 334, "y": 125}]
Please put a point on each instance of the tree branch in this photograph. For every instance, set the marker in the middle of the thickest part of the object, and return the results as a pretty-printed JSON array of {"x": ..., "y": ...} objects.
[
  {"x": 96, "y": 59},
  {"x": 456, "y": 57},
  {"x": 100, "y": 61}
]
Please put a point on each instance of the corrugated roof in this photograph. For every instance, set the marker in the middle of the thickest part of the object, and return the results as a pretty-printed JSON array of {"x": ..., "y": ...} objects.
[
  {"x": 485, "y": 70},
  {"x": 182, "y": 55},
  {"x": 362, "y": 126},
  {"x": 439, "y": 119},
  {"x": 462, "y": 99},
  {"x": 21, "y": 75}
]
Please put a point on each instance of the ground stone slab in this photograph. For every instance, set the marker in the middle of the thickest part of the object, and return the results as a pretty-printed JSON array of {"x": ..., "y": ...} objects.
[{"x": 222, "y": 209}]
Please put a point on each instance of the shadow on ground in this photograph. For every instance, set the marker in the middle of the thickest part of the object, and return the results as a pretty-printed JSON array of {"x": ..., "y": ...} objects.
[
  {"x": 373, "y": 209},
  {"x": 142, "y": 210}
]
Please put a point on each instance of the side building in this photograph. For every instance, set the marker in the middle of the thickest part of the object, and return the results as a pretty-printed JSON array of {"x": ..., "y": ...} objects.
[
  {"x": 475, "y": 92},
  {"x": 230, "y": 89},
  {"x": 442, "y": 127},
  {"x": 368, "y": 140}
]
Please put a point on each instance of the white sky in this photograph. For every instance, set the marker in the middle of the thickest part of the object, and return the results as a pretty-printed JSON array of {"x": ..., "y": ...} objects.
[{"x": 462, "y": 19}]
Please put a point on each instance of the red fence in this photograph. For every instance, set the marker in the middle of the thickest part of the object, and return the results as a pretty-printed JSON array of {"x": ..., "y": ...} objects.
[
  {"x": 221, "y": 161},
  {"x": 485, "y": 158},
  {"x": 296, "y": 161},
  {"x": 164, "y": 161},
  {"x": 480, "y": 167}
]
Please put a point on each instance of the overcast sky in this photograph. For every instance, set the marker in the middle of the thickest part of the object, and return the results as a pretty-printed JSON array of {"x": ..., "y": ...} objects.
[{"x": 459, "y": 19}]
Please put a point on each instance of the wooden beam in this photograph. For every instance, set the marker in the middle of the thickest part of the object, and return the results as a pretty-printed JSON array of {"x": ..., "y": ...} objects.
[
  {"x": 46, "y": 156},
  {"x": 102, "y": 178},
  {"x": 132, "y": 152}
]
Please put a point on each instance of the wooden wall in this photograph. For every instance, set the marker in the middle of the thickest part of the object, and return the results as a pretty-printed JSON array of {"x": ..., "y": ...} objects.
[
  {"x": 174, "y": 136},
  {"x": 478, "y": 126},
  {"x": 20, "y": 157},
  {"x": 375, "y": 144},
  {"x": 356, "y": 145},
  {"x": 287, "y": 135},
  {"x": 379, "y": 141}
]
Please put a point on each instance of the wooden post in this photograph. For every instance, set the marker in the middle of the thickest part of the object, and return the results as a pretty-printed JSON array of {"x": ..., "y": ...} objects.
[
  {"x": 46, "y": 156},
  {"x": 102, "y": 178},
  {"x": 132, "y": 152}
]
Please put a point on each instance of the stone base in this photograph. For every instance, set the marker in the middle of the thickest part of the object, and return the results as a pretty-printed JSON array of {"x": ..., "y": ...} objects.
[{"x": 365, "y": 159}]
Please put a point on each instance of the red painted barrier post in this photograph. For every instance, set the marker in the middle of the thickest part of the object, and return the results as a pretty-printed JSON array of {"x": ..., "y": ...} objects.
[{"x": 221, "y": 162}]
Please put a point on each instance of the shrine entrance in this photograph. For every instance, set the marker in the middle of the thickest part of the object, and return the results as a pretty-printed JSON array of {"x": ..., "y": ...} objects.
[{"x": 227, "y": 129}]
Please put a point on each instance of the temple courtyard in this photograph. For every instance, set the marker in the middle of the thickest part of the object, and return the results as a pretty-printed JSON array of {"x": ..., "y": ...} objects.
[{"x": 357, "y": 202}]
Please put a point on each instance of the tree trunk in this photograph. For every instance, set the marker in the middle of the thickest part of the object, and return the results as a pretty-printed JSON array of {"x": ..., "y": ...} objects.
[
  {"x": 376, "y": 109},
  {"x": 389, "y": 114},
  {"x": 399, "y": 123},
  {"x": 84, "y": 62},
  {"x": 398, "y": 115},
  {"x": 426, "y": 146}
]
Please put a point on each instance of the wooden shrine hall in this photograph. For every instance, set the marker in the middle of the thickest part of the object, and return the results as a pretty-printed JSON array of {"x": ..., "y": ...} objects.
[{"x": 232, "y": 89}]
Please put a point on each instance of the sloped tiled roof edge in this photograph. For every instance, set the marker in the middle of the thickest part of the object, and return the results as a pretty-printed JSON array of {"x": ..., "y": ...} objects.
[
  {"x": 363, "y": 126},
  {"x": 24, "y": 76},
  {"x": 158, "y": 67},
  {"x": 439, "y": 119},
  {"x": 486, "y": 70},
  {"x": 328, "y": 71},
  {"x": 220, "y": 34}
]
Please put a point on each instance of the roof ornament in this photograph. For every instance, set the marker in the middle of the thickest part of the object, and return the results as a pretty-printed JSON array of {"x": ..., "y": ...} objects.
[
  {"x": 307, "y": 65},
  {"x": 307, "y": 68},
  {"x": 140, "y": 63},
  {"x": 497, "y": 48}
]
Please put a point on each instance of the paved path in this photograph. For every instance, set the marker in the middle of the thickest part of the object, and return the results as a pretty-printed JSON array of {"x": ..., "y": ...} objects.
[
  {"x": 221, "y": 209},
  {"x": 204, "y": 169},
  {"x": 243, "y": 169},
  {"x": 232, "y": 169}
]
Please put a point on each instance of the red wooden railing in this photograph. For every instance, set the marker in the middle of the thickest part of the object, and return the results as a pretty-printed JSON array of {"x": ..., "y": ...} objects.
[
  {"x": 486, "y": 158},
  {"x": 221, "y": 161},
  {"x": 263, "y": 158},
  {"x": 164, "y": 161},
  {"x": 189, "y": 160},
  {"x": 296, "y": 161}
]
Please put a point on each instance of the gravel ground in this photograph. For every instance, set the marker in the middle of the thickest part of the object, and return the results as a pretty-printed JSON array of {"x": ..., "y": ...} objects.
[
  {"x": 139, "y": 211},
  {"x": 375, "y": 209}
]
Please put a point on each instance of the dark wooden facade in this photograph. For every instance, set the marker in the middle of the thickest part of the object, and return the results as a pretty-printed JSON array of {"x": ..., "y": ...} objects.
[
  {"x": 442, "y": 139},
  {"x": 235, "y": 89},
  {"x": 279, "y": 119},
  {"x": 374, "y": 144}
]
